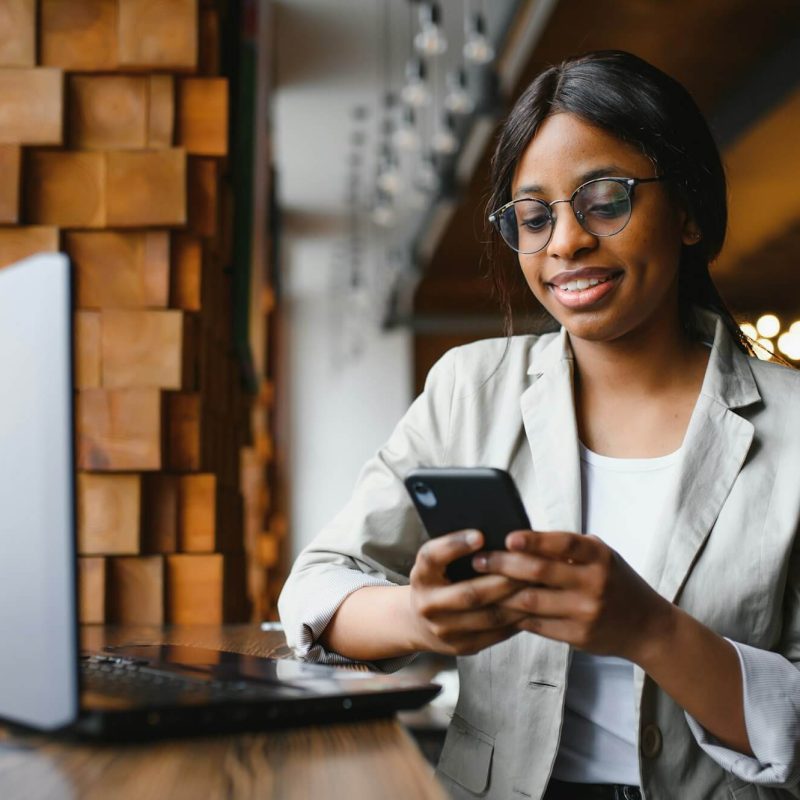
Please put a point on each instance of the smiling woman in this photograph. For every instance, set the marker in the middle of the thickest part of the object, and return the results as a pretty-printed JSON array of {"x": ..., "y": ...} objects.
[{"x": 643, "y": 637}]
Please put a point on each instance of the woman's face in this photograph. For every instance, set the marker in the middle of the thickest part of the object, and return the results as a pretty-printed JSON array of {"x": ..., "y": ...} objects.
[{"x": 638, "y": 265}]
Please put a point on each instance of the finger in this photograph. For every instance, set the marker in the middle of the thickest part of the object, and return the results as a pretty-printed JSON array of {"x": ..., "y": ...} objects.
[
  {"x": 436, "y": 554},
  {"x": 562, "y": 630},
  {"x": 452, "y": 625},
  {"x": 547, "y": 603},
  {"x": 529, "y": 569},
  {"x": 468, "y": 595},
  {"x": 474, "y": 643},
  {"x": 573, "y": 548}
]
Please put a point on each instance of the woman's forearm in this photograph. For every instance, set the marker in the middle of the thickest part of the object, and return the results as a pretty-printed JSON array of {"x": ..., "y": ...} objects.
[
  {"x": 372, "y": 623},
  {"x": 700, "y": 671}
]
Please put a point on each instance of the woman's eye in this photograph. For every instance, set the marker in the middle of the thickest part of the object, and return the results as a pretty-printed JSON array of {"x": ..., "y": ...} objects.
[
  {"x": 609, "y": 209},
  {"x": 534, "y": 222}
]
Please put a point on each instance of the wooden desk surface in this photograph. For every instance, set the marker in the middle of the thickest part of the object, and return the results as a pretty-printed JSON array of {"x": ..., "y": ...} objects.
[{"x": 376, "y": 759}]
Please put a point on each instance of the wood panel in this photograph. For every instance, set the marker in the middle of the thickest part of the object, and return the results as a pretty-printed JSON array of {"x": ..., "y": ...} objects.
[
  {"x": 120, "y": 270},
  {"x": 199, "y": 520},
  {"x": 78, "y": 34},
  {"x": 10, "y": 168},
  {"x": 204, "y": 589},
  {"x": 108, "y": 112},
  {"x": 17, "y": 33},
  {"x": 19, "y": 243},
  {"x": 146, "y": 188},
  {"x": 160, "y": 498},
  {"x": 119, "y": 429},
  {"x": 158, "y": 34},
  {"x": 109, "y": 513},
  {"x": 67, "y": 190},
  {"x": 161, "y": 112},
  {"x": 203, "y": 188},
  {"x": 187, "y": 272},
  {"x": 185, "y": 432},
  {"x": 87, "y": 349},
  {"x": 31, "y": 106},
  {"x": 203, "y": 116},
  {"x": 92, "y": 582},
  {"x": 136, "y": 590},
  {"x": 146, "y": 348}
]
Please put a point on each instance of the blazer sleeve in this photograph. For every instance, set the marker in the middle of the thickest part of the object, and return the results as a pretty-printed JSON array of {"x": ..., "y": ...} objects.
[
  {"x": 373, "y": 540},
  {"x": 771, "y": 683}
]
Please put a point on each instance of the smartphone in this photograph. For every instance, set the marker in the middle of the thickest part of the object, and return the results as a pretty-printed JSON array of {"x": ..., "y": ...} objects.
[{"x": 456, "y": 498}]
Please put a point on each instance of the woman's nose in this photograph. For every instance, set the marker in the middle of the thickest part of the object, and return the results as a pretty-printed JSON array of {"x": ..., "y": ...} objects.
[{"x": 569, "y": 236}]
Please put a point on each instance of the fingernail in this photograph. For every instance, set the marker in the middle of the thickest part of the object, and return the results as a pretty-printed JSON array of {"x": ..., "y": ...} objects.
[
  {"x": 473, "y": 538},
  {"x": 480, "y": 562}
]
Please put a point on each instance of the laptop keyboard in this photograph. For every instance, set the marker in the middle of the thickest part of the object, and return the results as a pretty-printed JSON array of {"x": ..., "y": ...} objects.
[{"x": 134, "y": 680}]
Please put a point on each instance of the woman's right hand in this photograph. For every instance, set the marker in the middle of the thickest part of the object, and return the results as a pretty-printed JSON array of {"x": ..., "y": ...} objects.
[{"x": 458, "y": 618}]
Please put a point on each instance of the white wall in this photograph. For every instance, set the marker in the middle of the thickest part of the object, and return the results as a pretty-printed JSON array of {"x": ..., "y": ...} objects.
[{"x": 343, "y": 404}]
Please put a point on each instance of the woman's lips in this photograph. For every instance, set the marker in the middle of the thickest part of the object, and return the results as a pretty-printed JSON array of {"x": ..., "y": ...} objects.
[{"x": 584, "y": 298}]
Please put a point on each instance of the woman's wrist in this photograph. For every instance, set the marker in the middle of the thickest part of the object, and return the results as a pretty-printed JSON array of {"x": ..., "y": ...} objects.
[{"x": 657, "y": 636}]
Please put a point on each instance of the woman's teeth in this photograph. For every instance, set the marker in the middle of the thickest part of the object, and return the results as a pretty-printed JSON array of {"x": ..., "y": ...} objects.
[{"x": 582, "y": 283}]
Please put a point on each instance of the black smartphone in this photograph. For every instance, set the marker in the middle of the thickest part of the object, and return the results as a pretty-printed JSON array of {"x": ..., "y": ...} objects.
[{"x": 456, "y": 498}]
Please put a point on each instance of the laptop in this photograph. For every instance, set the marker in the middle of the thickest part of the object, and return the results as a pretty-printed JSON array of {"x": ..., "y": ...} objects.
[{"x": 132, "y": 691}]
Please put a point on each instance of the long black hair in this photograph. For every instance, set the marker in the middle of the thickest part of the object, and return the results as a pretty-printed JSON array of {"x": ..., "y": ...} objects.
[{"x": 641, "y": 105}]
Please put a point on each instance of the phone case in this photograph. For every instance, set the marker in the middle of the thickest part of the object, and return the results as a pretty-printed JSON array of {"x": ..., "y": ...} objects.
[{"x": 456, "y": 498}]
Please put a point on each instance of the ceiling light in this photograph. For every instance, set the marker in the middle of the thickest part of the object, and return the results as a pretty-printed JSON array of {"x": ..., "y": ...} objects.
[
  {"x": 445, "y": 140},
  {"x": 765, "y": 349},
  {"x": 749, "y": 330},
  {"x": 427, "y": 175},
  {"x": 477, "y": 48},
  {"x": 789, "y": 345},
  {"x": 458, "y": 100},
  {"x": 768, "y": 325},
  {"x": 383, "y": 213},
  {"x": 430, "y": 40},
  {"x": 405, "y": 137},
  {"x": 415, "y": 92}
]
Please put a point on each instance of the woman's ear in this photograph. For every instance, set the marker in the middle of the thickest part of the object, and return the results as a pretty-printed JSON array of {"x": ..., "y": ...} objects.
[{"x": 691, "y": 233}]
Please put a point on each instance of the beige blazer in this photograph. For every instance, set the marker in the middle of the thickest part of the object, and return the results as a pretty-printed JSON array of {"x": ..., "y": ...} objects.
[{"x": 725, "y": 550}]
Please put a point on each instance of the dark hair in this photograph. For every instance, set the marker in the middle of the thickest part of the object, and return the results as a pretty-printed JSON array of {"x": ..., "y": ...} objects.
[{"x": 639, "y": 104}]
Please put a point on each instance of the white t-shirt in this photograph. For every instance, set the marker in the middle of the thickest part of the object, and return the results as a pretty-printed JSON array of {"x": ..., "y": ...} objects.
[{"x": 621, "y": 498}]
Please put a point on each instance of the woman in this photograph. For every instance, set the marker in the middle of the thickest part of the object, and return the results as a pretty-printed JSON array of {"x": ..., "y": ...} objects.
[{"x": 645, "y": 635}]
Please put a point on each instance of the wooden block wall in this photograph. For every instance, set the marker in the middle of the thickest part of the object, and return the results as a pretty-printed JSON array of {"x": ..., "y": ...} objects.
[{"x": 114, "y": 148}]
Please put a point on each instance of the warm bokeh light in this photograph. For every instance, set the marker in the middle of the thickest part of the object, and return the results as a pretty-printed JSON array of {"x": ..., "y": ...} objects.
[
  {"x": 789, "y": 343},
  {"x": 765, "y": 349},
  {"x": 794, "y": 328},
  {"x": 768, "y": 325},
  {"x": 749, "y": 330}
]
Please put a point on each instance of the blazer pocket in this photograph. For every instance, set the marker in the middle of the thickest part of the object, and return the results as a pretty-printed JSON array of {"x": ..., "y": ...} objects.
[{"x": 467, "y": 755}]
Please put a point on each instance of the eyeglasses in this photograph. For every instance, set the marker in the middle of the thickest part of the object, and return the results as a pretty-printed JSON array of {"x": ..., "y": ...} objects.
[{"x": 602, "y": 207}]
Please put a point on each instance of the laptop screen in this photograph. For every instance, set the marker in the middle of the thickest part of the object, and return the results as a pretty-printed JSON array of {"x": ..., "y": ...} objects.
[{"x": 38, "y": 655}]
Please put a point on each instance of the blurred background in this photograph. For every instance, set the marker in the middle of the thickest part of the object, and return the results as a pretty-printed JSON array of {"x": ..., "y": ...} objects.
[{"x": 276, "y": 213}]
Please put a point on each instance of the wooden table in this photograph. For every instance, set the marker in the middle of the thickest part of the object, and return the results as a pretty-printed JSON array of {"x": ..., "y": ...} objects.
[{"x": 376, "y": 759}]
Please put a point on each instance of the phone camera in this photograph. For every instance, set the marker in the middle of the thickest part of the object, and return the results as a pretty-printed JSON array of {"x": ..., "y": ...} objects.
[{"x": 424, "y": 494}]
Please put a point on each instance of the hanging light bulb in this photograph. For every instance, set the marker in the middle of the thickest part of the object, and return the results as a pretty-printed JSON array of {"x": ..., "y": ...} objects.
[
  {"x": 458, "y": 100},
  {"x": 445, "y": 140},
  {"x": 389, "y": 179},
  {"x": 416, "y": 92},
  {"x": 427, "y": 174},
  {"x": 383, "y": 212},
  {"x": 405, "y": 136},
  {"x": 477, "y": 48},
  {"x": 430, "y": 40}
]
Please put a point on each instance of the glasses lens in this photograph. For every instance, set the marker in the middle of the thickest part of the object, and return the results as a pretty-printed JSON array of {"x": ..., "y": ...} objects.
[
  {"x": 525, "y": 226},
  {"x": 603, "y": 207}
]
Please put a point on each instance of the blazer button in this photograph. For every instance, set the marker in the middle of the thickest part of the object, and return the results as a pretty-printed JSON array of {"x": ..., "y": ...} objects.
[{"x": 651, "y": 740}]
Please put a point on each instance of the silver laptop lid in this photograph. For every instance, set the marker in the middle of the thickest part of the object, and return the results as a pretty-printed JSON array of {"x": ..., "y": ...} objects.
[{"x": 38, "y": 654}]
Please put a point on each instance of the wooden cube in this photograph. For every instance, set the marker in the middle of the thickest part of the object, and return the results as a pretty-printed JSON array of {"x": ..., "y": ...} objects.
[
  {"x": 161, "y": 112},
  {"x": 119, "y": 429},
  {"x": 19, "y": 243},
  {"x": 109, "y": 514},
  {"x": 87, "y": 349},
  {"x": 158, "y": 34},
  {"x": 120, "y": 270},
  {"x": 66, "y": 189},
  {"x": 203, "y": 116},
  {"x": 185, "y": 444},
  {"x": 205, "y": 589},
  {"x": 10, "y": 161},
  {"x": 146, "y": 348},
  {"x": 146, "y": 188},
  {"x": 199, "y": 523},
  {"x": 136, "y": 590},
  {"x": 18, "y": 33},
  {"x": 91, "y": 590},
  {"x": 160, "y": 513},
  {"x": 31, "y": 106},
  {"x": 79, "y": 34},
  {"x": 108, "y": 112},
  {"x": 203, "y": 191},
  {"x": 208, "y": 42},
  {"x": 186, "y": 291}
]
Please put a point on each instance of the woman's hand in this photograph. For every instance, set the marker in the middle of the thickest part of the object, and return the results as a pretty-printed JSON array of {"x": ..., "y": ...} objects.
[
  {"x": 580, "y": 591},
  {"x": 459, "y": 618}
]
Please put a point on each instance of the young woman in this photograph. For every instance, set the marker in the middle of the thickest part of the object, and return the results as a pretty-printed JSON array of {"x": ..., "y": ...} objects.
[{"x": 644, "y": 638}]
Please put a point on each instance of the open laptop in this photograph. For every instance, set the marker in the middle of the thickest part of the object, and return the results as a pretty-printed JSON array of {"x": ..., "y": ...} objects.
[{"x": 135, "y": 691}]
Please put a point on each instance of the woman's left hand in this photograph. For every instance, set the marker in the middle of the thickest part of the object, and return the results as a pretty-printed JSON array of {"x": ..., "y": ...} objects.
[{"x": 581, "y": 592}]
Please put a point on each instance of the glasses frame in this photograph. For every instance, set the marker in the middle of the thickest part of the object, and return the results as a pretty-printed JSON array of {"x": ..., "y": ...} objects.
[{"x": 629, "y": 183}]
